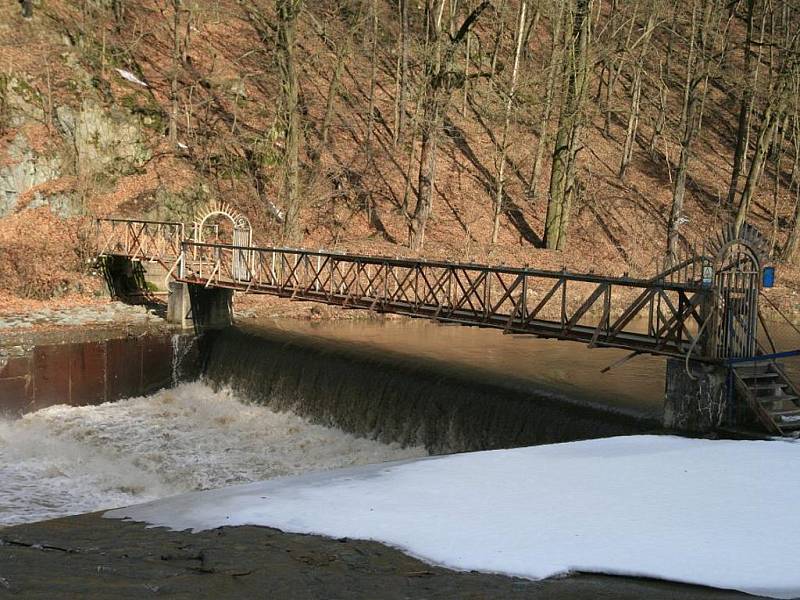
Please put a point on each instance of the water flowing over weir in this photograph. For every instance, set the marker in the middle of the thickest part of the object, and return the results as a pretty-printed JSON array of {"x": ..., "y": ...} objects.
[
  {"x": 392, "y": 399},
  {"x": 70, "y": 459},
  {"x": 84, "y": 427}
]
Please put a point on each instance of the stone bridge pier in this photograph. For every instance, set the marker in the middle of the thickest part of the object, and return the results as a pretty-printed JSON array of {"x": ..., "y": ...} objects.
[
  {"x": 696, "y": 396},
  {"x": 195, "y": 305}
]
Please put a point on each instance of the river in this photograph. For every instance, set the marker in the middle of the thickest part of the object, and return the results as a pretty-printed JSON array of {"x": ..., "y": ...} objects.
[{"x": 263, "y": 409}]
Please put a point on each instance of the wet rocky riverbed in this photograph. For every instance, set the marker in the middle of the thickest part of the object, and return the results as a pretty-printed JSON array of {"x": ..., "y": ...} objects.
[
  {"x": 115, "y": 313},
  {"x": 91, "y": 557}
]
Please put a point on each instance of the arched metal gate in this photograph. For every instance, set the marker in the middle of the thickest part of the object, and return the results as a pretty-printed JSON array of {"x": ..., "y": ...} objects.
[
  {"x": 738, "y": 277},
  {"x": 242, "y": 237}
]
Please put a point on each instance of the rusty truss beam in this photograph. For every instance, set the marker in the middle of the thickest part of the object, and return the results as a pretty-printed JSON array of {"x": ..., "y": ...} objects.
[
  {"x": 663, "y": 318},
  {"x": 154, "y": 241}
]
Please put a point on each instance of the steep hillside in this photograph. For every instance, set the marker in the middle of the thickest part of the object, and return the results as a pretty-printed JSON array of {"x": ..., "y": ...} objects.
[{"x": 87, "y": 96}]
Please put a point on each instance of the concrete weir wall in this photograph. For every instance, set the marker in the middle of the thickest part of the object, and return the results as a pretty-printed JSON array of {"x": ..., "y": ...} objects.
[
  {"x": 32, "y": 378},
  {"x": 394, "y": 400}
]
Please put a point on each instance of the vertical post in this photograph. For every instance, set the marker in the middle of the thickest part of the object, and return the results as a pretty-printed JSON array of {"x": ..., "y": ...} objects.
[{"x": 523, "y": 313}]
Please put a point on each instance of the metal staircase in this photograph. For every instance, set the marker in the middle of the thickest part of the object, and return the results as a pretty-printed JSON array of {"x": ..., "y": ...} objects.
[{"x": 770, "y": 394}]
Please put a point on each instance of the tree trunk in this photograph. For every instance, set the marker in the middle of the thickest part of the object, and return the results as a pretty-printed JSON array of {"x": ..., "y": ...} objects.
[
  {"x": 467, "y": 59},
  {"x": 371, "y": 107},
  {"x": 411, "y": 150},
  {"x": 118, "y": 8},
  {"x": 438, "y": 87},
  {"x": 333, "y": 89},
  {"x": 690, "y": 116},
  {"x": 615, "y": 68},
  {"x": 661, "y": 118},
  {"x": 673, "y": 29},
  {"x": 745, "y": 108},
  {"x": 790, "y": 251},
  {"x": 756, "y": 166},
  {"x": 176, "y": 59},
  {"x": 636, "y": 92},
  {"x": 402, "y": 72},
  {"x": 287, "y": 11},
  {"x": 426, "y": 177},
  {"x": 544, "y": 128},
  {"x": 633, "y": 122},
  {"x": 498, "y": 38},
  {"x": 792, "y": 244},
  {"x": 562, "y": 172},
  {"x": 776, "y": 182},
  {"x": 501, "y": 169}
]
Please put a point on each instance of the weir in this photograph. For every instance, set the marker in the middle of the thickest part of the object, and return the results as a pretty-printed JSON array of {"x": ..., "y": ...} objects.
[
  {"x": 411, "y": 402},
  {"x": 700, "y": 312}
]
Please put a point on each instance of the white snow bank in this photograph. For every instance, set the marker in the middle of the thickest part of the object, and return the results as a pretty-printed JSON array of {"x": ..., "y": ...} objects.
[{"x": 718, "y": 513}]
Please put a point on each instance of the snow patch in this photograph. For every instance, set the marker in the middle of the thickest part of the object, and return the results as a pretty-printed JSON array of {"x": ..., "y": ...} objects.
[
  {"x": 131, "y": 77},
  {"x": 716, "y": 513}
]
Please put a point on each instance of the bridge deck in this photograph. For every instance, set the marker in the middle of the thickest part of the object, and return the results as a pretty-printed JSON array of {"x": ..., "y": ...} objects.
[
  {"x": 652, "y": 316},
  {"x": 547, "y": 304}
]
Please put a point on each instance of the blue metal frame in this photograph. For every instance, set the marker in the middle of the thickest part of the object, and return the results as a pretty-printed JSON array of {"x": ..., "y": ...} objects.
[{"x": 763, "y": 357}]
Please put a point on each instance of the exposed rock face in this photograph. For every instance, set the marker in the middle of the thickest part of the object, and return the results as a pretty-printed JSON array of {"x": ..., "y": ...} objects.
[
  {"x": 102, "y": 140},
  {"x": 25, "y": 170},
  {"x": 97, "y": 140},
  {"x": 21, "y": 102}
]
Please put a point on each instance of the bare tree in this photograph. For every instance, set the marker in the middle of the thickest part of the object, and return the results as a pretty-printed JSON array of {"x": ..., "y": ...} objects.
[
  {"x": 118, "y": 9},
  {"x": 745, "y": 107},
  {"x": 176, "y": 62},
  {"x": 567, "y": 143},
  {"x": 616, "y": 62},
  {"x": 371, "y": 106},
  {"x": 777, "y": 103},
  {"x": 661, "y": 115},
  {"x": 777, "y": 151},
  {"x": 552, "y": 70},
  {"x": 509, "y": 105},
  {"x": 769, "y": 125},
  {"x": 708, "y": 27},
  {"x": 636, "y": 93},
  {"x": 439, "y": 82},
  {"x": 499, "y": 32},
  {"x": 793, "y": 243},
  {"x": 401, "y": 72},
  {"x": 288, "y": 11}
]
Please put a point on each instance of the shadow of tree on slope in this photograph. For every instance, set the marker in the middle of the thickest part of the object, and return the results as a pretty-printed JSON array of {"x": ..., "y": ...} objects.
[{"x": 513, "y": 210}]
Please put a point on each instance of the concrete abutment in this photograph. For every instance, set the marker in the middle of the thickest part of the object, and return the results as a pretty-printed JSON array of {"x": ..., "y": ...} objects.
[
  {"x": 211, "y": 308},
  {"x": 696, "y": 396}
]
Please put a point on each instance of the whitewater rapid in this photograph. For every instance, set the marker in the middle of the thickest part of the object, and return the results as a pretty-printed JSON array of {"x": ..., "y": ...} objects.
[{"x": 67, "y": 460}]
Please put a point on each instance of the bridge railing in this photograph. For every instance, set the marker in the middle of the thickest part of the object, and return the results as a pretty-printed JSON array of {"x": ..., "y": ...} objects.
[
  {"x": 642, "y": 315},
  {"x": 141, "y": 240}
]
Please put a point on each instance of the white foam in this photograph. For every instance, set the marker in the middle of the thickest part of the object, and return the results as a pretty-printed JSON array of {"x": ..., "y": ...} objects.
[{"x": 66, "y": 460}]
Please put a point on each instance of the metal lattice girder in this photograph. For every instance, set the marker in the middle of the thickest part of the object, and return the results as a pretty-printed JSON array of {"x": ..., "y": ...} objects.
[
  {"x": 544, "y": 303},
  {"x": 157, "y": 241},
  {"x": 663, "y": 318}
]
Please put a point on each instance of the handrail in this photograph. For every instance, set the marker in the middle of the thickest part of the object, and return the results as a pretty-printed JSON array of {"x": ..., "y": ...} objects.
[
  {"x": 497, "y": 297},
  {"x": 143, "y": 221},
  {"x": 762, "y": 357},
  {"x": 414, "y": 262}
]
